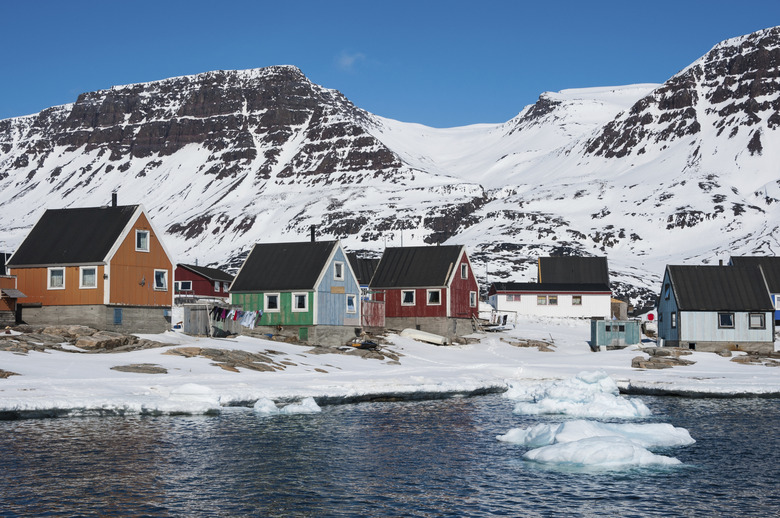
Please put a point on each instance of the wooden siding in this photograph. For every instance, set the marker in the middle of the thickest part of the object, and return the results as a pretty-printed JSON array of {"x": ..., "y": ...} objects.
[
  {"x": 34, "y": 282},
  {"x": 284, "y": 317},
  {"x": 702, "y": 326},
  {"x": 332, "y": 294},
  {"x": 131, "y": 273},
  {"x": 460, "y": 291},
  {"x": 200, "y": 285},
  {"x": 9, "y": 283},
  {"x": 394, "y": 308}
]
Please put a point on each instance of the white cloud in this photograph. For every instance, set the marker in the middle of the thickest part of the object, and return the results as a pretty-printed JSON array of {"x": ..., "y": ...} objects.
[{"x": 347, "y": 60}]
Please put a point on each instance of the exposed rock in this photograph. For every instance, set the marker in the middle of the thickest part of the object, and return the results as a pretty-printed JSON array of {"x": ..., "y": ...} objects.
[
  {"x": 661, "y": 358},
  {"x": 105, "y": 340},
  {"x": 5, "y": 374},
  {"x": 70, "y": 331},
  {"x": 542, "y": 345},
  {"x": 141, "y": 368}
]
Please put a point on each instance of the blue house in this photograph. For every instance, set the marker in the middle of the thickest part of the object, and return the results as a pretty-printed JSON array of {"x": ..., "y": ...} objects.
[
  {"x": 770, "y": 269},
  {"x": 715, "y": 308},
  {"x": 306, "y": 290}
]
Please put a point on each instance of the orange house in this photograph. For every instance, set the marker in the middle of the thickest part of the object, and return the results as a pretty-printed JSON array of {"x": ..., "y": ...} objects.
[{"x": 105, "y": 267}]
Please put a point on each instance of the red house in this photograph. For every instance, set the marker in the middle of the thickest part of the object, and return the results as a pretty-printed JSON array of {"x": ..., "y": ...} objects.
[
  {"x": 199, "y": 282},
  {"x": 430, "y": 288}
]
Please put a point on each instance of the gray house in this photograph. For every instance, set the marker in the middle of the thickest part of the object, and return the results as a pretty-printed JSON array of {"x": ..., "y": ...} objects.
[{"x": 715, "y": 308}]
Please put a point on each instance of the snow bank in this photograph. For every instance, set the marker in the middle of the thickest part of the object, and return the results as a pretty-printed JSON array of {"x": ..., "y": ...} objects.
[{"x": 589, "y": 394}]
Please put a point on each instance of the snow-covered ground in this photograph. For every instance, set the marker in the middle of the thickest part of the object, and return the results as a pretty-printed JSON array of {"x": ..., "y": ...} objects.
[{"x": 76, "y": 383}]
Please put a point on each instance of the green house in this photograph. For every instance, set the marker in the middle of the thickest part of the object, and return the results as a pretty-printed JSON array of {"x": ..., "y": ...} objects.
[{"x": 306, "y": 290}]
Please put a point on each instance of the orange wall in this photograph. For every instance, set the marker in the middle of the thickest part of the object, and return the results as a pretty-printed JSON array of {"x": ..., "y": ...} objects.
[
  {"x": 126, "y": 271},
  {"x": 9, "y": 283},
  {"x": 129, "y": 268},
  {"x": 33, "y": 282}
]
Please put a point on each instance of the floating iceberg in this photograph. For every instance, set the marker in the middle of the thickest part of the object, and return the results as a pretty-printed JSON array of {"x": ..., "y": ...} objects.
[
  {"x": 605, "y": 452},
  {"x": 646, "y": 435},
  {"x": 306, "y": 406},
  {"x": 589, "y": 394}
]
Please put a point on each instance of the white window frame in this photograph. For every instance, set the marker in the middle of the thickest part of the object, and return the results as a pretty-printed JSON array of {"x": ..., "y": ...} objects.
[
  {"x": 354, "y": 303},
  {"x": 225, "y": 287},
  {"x": 576, "y": 300},
  {"x": 148, "y": 240},
  {"x": 83, "y": 286},
  {"x": 464, "y": 271},
  {"x": 165, "y": 280},
  {"x": 216, "y": 286},
  {"x": 761, "y": 316},
  {"x": 338, "y": 271},
  {"x": 552, "y": 300},
  {"x": 673, "y": 322},
  {"x": 181, "y": 285},
  {"x": 278, "y": 303},
  {"x": 428, "y": 294},
  {"x": 414, "y": 296},
  {"x": 295, "y": 308},
  {"x": 48, "y": 278},
  {"x": 541, "y": 300},
  {"x": 472, "y": 299}
]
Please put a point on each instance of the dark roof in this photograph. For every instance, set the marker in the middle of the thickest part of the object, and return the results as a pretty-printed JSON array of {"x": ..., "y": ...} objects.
[
  {"x": 73, "y": 236},
  {"x": 574, "y": 270},
  {"x": 718, "y": 288},
  {"x": 416, "y": 266},
  {"x": 212, "y": 274},
  {"x": 12, "y": 294},
  {"x": 283, "y": 266},
  {"x": 363, "y": 267},
  {"x": 769, "y": 265},
  {"x": 547, "y": 286}
]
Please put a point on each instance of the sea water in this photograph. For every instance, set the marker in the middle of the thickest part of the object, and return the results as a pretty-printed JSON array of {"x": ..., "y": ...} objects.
[{"x": 422, "y": 458}]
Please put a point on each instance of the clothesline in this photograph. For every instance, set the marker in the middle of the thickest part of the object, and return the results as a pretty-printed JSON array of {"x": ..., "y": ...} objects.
[{"x": 246, "y": 318}]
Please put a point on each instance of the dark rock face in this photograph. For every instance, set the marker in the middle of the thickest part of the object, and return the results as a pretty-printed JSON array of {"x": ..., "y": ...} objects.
[{"x": 740, "y": 80}]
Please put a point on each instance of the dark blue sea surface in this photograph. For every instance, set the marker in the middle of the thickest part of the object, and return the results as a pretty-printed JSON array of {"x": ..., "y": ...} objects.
[{"x": 423, "y": 458}]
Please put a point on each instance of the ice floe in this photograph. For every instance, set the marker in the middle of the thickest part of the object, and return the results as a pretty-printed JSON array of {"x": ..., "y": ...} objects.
[
  {"x": 589, "y": 394},
  {"x": 605, "y": 452},
  {"x": 647, "y": 435}
]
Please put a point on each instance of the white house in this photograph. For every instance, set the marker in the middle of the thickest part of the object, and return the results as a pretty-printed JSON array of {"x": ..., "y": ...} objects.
[{"x": 568, "y": 287}]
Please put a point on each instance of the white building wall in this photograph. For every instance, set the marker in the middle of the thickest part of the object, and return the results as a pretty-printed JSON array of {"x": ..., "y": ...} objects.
[{"x": 593, "y": 305}]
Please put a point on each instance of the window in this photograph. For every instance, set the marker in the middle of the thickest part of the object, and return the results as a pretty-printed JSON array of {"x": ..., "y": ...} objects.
[
  {"x": 464, "y": 271},
  {"x": 338, "y": 271},
  {"x": 608, "y": 328},
  {"x": 667, "y": 291},
  {"x": 272, "y": 302},
  {"x": 141, "y": 240},
  {"x": 473, "y": 299},
  {"x": 674, "y": 319},
  {"x": 184, "y": 285},
  {"x": 552, "y": 300},
  {"x": 161, "y": 280},
  {"x": 216, "y": 286},
  {"x": 757, "y": 321},
  {"x": 225, "y": 287},
  {"x": 576, "y": 300},
  {"x": 300, "y": 302},
  {"x": 56, "y": 279},
  {"x": 541, "y": 300},
  {"x": 434, "y": 297},
  {"x": 725, "y": 320},
  {"x": 87, "y": 277},
  {"x": 512, "y": 298},
  {"x": 407, "y": 298},
  {"x": 351, "y": 303}
]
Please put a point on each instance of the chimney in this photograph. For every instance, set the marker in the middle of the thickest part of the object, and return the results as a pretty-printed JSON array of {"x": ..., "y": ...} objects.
[
  {"x": 720, "y": 262},
  {"x": 311, "y": 229},
  {"x": 113, "y": 199}
]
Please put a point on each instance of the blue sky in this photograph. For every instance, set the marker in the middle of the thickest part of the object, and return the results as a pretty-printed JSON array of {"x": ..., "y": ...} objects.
[{"x": 439, "y": 63}]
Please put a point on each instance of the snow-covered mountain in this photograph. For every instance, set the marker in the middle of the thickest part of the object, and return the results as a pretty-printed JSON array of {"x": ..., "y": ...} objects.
[{"x": 683, "y": 172}]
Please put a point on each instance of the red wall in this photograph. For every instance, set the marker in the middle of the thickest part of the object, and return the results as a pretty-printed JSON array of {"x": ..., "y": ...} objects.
[
  {"x": 459, "y": 292},
  {"x": 200, "y": 285}
]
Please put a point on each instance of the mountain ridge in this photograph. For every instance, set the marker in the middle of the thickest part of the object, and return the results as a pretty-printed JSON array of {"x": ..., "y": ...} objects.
[{"x": 225, "y": 159}]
